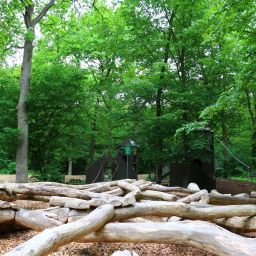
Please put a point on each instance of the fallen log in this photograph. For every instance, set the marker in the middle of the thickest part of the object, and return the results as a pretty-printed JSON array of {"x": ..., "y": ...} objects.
[
  {"x": 229, "y": 200},
  {"x": 198, "y": 234},
  {"x": 68, "y": 202},
  {"x": 53, "y": 238},
  {"x": 32, "y": 189},
  {"x": 100, "y": 188},
  {"x": 150, "y": 194},
  {"x": 161, "y": 188},
  {"x": 253, "y": 194},
  {"x": 243, "y": 195},
  {"x": 36, "y": 219},
  {"x": 79, "y": 187},
  {"x": 194, "y": 197},
  {"x": 6, "y": 216},
  {"x": 193, "y": 186},
  {"x": 5, "y": 205},
  {"x": 169, "y": 209},
  {"x": 77, "y": 214},
  {"x": 238, "y": 224},
  {"x": 118, "y": 191},
  {"x": 128, "y": 187},
  {"x": 239, "y": 218},
  {"x": 130, "y": 198},
  {"x": 13, "y": 197}
]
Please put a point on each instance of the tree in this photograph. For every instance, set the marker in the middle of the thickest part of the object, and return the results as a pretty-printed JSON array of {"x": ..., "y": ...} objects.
[{"x": 22, "y": 110}]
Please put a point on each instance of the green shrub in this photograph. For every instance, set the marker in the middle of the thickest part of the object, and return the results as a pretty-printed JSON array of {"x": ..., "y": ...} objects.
[{"x": 7, "y": 167}]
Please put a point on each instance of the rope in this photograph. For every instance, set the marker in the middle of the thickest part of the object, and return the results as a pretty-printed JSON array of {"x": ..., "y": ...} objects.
[
  {"x": 237, "y": 159},
  {"x": 101, "y": 167},
  {"x": 98, "y": 172}
]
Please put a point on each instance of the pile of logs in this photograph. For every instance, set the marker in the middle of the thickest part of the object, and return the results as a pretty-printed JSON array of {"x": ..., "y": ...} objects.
[{"x": 117, "y": 211}]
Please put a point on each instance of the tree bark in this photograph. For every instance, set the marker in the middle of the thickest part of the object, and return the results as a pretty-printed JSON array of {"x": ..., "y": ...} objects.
[
  {"x": 149, "y": 194},
  {"x": 228, "y": 200},
  {"x": 238, "y": 224},
  {"x": 169, "y": 209},
  {"x": 198, "y": 234},
  {"x": 22, "y": 112},
  {"x": 69, "y": 166},
  {"x": 194, "y": 197}
]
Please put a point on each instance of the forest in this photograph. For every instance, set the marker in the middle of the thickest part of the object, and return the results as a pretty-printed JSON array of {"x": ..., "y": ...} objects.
[{"x": 81, "y": 76}]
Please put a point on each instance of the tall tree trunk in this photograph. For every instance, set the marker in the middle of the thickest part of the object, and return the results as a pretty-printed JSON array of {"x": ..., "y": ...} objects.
[
  {"x": 22, "y": 146},
  {"x": 22, "y": 111},
  {"x": 69, "y": 166}
]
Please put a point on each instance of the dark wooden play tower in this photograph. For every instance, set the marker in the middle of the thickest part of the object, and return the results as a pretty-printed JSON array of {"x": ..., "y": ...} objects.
[
  {"x": 198, "y": 167},
  {"x": 123, "y": 166}
]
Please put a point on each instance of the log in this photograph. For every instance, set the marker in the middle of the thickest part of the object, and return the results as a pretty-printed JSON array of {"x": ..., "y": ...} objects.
[
  {"x": 98, "y": 199},
  {"x": 174, "y": 218},
  {"x": 60, "y": 214},
  {"x": 203, "y": 235},
  {"x": 194, "y": 197},
  {"x": 137, "y": 220},
  {"x": 12, "y": 197},
  {"x": 6, "y": 216},
  {"x": 33, "y": 189},
  {"x": 193, "y": 186},
  {"x": 124, "y": 253},
  {"x": 142, "y": 184},
  {"x": 238, "y": 224},
  {"x": 229, "y": 200},
  {"x": 100, "y": 188},
  {"x": 80, "y": 187},
  {"x": 53, "y": 238},
  {"x": 253, "y": 194},
  {"x": 117, "y": 192},
  {"x": 68, "y": 202},
  {"x": 161, "y": 188},
  {"x": 243, "y": 195},
  {"x": 36, "y": 219},
  {"x": 130, "y": 198},
  {"x": 205, "y": 199},
  {"x": 128, "y": 187},
  {"x": 5, "y": 205},
  {"x": 169, "y": 209},
  {"x": 101, "y": 199},
  {"x": 120, "y": 192},
  {"x": 150, "y": 194},
  {"x": 77, "y": 214}
]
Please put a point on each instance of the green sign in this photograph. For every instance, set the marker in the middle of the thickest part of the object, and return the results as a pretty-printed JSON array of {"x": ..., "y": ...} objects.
[{"x": 128, "y": 149}]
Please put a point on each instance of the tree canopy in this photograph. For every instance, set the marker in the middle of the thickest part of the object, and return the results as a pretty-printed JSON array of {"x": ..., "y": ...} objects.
[{"x": 152, "y": 71}]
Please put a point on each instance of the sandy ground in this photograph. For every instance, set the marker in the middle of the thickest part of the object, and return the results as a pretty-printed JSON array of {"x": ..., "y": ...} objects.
[{"x": 10, "y": 240}]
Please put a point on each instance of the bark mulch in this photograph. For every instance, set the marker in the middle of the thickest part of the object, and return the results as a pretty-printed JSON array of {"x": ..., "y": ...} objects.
[{"x": 10, "y": 240}]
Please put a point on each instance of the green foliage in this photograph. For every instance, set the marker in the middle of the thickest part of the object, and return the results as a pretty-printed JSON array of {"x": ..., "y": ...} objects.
[
  {"x": 153, "y": 71},
  {"x": 7, "y": 167},
  {"x": 51, "y": 173},
  {"x": 29, "y": 35}
]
